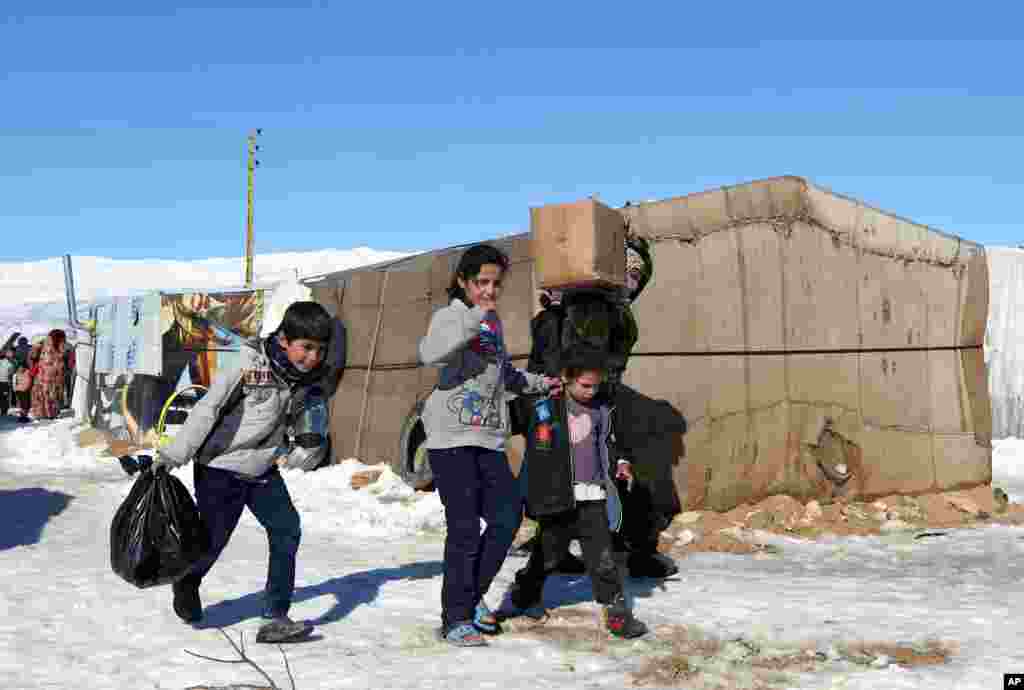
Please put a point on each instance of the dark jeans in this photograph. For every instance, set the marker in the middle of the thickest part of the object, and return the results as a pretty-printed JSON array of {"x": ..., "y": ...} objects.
[
  {"x": 221, "y": 496},
  {"x": 588, "y": 522},
  {"x": 24, "y": 399},
  {"x": 473, "y": 483},
  {"x": 5, "y": 398}
]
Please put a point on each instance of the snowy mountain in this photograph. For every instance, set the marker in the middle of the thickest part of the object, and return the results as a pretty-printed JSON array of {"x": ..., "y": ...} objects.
[{"x": 32, "y": 297}]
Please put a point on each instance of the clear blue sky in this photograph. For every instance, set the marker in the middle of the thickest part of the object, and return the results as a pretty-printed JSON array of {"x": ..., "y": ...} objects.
[{"x": 416, "y": 125}]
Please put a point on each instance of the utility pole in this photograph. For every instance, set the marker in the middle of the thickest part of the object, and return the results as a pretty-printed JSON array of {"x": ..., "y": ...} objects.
[{"x": 251, "y": 165}]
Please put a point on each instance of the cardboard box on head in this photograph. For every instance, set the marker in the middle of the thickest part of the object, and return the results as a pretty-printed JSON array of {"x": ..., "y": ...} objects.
[{"x": 581, "y": 244}]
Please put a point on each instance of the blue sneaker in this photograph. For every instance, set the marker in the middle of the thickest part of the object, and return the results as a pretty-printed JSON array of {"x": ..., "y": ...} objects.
[
  {"x": 485, "y": 620},
  {"x": 464, "y": 634}
]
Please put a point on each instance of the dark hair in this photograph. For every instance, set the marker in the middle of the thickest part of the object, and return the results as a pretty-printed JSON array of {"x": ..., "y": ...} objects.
[
  {"x": 306, "y": 320},
  {"x": 470, "y": 263},
  {"x": 580, "y": 358}
]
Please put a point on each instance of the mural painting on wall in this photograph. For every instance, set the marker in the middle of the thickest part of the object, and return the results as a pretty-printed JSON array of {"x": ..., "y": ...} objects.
[
  {"x": 151, "y": 346},
  {"x": 204, "y": 331}
]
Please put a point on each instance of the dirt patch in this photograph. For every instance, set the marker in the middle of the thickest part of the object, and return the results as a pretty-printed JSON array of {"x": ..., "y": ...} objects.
[
  {"x": 929, "y": 653},
  {"x": 695, "y": 660},
  {"x": 711, "y": 531}
]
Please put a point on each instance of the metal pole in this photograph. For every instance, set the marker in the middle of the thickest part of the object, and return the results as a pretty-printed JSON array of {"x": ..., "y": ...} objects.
[{"x": 251, "y": 165}]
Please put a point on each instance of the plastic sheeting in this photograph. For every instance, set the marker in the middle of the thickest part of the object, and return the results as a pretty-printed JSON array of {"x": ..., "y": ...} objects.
[
  {"x": 284, "y": 294},
  {"x": 1004, "y": 341}
]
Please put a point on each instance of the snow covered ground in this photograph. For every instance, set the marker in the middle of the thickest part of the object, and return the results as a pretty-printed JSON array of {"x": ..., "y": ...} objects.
[{"x": 369, "y": 576}]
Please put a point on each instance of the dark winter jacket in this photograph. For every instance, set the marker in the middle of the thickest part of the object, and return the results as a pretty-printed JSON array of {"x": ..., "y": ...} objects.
[
  {"x": 548, "y": 484},
  {"x": 545, "y": 341}
]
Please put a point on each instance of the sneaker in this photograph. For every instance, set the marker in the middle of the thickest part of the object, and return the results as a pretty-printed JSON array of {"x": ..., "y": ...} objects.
[
  {"x": 619, "y": 620},
  {"x": 283, "y": 629},
  {"x": 485, "y": 620},
  {"x": 186, "y": 600},
  {"x": 464, "y": 634}
]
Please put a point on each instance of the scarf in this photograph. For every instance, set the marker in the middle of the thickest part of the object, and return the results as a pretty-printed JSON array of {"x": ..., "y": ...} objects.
[{"x": 287, "y": 371}]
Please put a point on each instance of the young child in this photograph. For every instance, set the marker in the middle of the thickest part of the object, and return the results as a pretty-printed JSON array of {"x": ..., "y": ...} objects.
[
  {"x": 466, "y": 422},
  {"x": 235, "y": 434},
  {"x": 23, "y": 392},
  {"x": 572, "y": 461}
]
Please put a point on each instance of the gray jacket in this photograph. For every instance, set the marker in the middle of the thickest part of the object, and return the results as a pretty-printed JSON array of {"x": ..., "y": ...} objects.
[
  {"x": 468, "y": 407},
  {"x": 251, "y": 436}
]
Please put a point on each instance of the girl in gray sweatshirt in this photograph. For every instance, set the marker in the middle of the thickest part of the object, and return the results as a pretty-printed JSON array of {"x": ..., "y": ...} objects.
[{"x": 466, "y": 422}]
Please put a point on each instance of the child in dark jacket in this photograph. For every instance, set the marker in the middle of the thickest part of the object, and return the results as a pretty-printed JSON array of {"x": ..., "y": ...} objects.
[{"x": 569, "y": 490}]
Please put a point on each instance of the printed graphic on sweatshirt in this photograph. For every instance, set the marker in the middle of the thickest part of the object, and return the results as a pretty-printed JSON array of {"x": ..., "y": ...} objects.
[
  {"x": 490, "y": 343},
  {"x": 474, "y": 406}
]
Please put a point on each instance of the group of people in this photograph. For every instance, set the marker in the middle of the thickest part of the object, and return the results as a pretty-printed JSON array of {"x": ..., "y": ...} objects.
[
  {"x": 573, "y": 472},
  {"x": 576, "y": 475},
  {"x": 37, "y": 379}
]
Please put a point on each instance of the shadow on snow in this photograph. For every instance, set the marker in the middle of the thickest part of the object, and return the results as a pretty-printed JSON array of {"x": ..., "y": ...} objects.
[
  {"x": 349, "y": 591},
  {"x": 26, "y": 512},
  {"x": 352, "y": 590}
]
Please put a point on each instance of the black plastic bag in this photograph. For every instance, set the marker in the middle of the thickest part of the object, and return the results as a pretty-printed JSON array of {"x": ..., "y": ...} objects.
[{"x": 157, "y": 534}]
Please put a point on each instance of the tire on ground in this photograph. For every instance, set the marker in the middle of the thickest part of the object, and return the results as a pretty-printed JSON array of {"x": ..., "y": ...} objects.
[{"x": 412, "y": 464}]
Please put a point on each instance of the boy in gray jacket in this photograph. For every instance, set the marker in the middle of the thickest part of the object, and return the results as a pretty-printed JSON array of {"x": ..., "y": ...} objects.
[{"x": 235, "y": 434}]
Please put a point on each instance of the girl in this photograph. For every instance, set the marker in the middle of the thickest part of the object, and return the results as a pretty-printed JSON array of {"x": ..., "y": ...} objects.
[{"x": 466, "y": 422}]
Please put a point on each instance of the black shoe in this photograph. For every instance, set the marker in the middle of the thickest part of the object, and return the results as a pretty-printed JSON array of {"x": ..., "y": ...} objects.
[
  {"x": 619, "y": 620},
  {"x": 283, "y": 629},
  {"x": 186, "y": 600},
  {"x": 651, "y": 565}
]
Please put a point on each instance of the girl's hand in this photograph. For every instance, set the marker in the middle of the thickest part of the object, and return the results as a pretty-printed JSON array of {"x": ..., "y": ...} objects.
[{"x": 554, "y": 386}]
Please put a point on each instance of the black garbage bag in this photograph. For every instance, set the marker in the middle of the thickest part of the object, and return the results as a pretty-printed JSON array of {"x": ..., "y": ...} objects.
[{"x": 157, "y": 534}]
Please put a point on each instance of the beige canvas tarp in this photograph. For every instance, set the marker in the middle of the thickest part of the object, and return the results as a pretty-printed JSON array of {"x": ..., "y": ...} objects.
[{"x": 813, "y": 330}]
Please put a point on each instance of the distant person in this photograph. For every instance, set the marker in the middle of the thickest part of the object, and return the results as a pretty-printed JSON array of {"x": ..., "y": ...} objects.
[
  {"x": 466, "y": 420},
  {"x": 6, "y": 378},
  {"x": 69, "y": 375},
  {"x": 570, "y": 490},
  {"x": 21, "y": 352},
  {"x": 235, "y": 434},
  {"x": 48, "y": 384},
  {"x": 23, "y": 392},
  {"x": 38, "y": 406}
]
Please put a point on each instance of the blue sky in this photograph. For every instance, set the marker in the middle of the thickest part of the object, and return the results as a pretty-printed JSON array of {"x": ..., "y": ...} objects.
[{"x": 122, "y": 128}]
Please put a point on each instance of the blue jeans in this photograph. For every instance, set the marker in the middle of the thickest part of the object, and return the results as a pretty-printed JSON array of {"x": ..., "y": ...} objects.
[
  {"x": 221, "y": 496},
  {"x": 473, "y": 483}
]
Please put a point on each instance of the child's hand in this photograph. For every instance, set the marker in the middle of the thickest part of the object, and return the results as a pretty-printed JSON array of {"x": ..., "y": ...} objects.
[
  {"x": 624, "y": 471},
  {"x": 554, "y": 386}
]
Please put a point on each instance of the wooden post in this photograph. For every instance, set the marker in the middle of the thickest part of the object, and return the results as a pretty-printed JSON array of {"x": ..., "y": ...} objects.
[{"x": 369, "y": 367}]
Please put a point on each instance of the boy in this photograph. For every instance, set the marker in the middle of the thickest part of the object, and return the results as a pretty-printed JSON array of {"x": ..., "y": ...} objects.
[
  {"x": 570, "y": 490},
  {"x": 235, "y": 434}
]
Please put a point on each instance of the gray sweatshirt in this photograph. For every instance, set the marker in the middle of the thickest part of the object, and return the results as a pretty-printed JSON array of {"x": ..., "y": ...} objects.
[
  {"x": 251, "y": 436},
  {"x": 468, "y": 407}
]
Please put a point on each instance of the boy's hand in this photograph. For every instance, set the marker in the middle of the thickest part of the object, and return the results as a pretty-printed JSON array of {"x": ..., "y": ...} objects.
[
  {"x": 624, "y": 471},
  {"x": 554, "y": 386}
]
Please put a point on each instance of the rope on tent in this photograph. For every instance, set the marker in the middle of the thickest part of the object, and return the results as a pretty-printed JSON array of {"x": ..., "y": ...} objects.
[{"x": 369, "y": 367}]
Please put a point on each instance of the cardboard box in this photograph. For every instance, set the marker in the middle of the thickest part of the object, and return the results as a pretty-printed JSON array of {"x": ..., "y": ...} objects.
[{"x": 578, "y": 244}]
